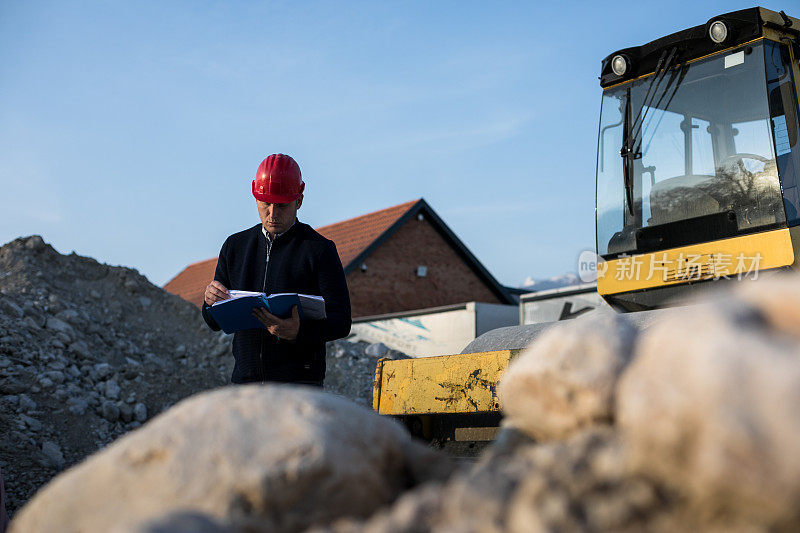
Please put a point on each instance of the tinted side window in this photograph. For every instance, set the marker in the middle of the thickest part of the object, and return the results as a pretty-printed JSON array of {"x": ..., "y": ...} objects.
[{"x": 784, "y": 125}]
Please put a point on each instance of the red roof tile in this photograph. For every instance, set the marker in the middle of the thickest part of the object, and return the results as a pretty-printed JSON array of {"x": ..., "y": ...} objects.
[
  {"x": 351, "y": 236},
  {"x": 190, "y": 284},
  {"x": 354, "y": 235}
]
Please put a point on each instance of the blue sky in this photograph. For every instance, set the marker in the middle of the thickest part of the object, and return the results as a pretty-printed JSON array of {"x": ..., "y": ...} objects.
[{"x": 130, "y": 131}]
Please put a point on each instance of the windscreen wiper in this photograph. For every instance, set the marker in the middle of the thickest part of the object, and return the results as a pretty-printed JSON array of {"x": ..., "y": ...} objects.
[
  {"x": 652, "y": 90},
  {"x": 677, "y": 78},
  {"x": 631, "y": 150},
  {"x": 627, "y": 153}
]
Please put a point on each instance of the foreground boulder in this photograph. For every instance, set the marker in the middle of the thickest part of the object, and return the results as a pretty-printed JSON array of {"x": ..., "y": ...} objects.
[
  {"x": 711, "y": 407},
  {"x": 259, "y": 458},
  {"x": 777, "y": 301},
  {"x": 691, "y": 425},
  {"x": 566, "y": 379},
  {"x": 521, "y": 486}
]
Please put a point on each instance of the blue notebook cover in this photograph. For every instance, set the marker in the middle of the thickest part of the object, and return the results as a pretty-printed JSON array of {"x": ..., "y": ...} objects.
[{"x": 237, "y": 313}]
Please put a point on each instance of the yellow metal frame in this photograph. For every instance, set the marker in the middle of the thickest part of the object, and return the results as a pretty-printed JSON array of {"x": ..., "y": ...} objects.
[
  {"x": 769, "y": 33},
  {"x": 708, "y": 260},
  {"x": 711, "y": 260},
  {"x": 457, "y": 384}
]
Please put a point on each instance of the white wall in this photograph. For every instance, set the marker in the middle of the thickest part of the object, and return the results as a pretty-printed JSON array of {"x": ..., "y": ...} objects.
[
  {"x": 560, "y": 307},
  {"x": 425, "y": 334}
]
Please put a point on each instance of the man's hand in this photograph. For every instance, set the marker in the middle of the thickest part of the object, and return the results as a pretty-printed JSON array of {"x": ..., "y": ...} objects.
[
  {"x": 282, "y": 328},
  {"x": 215, "y": 292}
]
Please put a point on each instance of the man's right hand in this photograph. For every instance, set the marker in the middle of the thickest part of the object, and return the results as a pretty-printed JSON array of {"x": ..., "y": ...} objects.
[{"x": 215, "y": 292}]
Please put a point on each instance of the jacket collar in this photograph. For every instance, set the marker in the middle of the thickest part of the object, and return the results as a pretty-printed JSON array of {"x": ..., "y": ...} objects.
[{"x": 266, "y": 235}]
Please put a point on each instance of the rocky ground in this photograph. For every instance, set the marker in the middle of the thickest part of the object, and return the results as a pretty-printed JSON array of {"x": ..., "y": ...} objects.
[
  {"x": 690, "y": 424},
  {"x": 90, "y": 351},
  {"x": 351, "y": 368}
]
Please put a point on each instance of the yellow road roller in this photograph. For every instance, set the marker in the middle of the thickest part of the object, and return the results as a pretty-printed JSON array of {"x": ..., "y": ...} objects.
[{"x": 698, "y": 181}]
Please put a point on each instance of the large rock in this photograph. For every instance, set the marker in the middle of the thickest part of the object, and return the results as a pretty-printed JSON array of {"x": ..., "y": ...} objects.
[
  {"x": 777, "y": 300},
  {"x": 268, "y": 458},
  {"x": 58, "y": 325},
  {"x": 377, "y": 349},
  {"x": 182, "y": 522},
  {"x": 519, "y": 486},
  {"x": 11, "y": 308},
  {"x": 52, "y": 454},
  {"x": 35, "y": 243},
  {"x": 566, "y": 379},
  {"x": 711, "y": 406}
]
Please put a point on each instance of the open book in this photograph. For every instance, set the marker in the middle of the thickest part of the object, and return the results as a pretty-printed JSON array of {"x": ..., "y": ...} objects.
[{"x": 236, "y": 313}]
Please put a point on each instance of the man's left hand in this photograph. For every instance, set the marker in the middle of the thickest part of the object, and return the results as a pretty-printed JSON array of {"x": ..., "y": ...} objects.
[{"x": 283, "y": 328}]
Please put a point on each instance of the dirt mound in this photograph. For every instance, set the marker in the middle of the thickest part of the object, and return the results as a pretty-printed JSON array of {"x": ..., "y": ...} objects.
[
  {"x": 351, "y": 368},
  {"x": 89, "y": 351}
]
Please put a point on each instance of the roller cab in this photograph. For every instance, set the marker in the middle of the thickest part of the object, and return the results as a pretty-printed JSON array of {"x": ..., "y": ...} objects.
[{"x": 698, "y": 159}]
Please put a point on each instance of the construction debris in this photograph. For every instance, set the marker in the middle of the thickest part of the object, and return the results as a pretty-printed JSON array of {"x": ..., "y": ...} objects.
[
  {"x": 285, "y": 457},
  {"x": 90, "y": 351},
  {"x": 691, "y": 423}
]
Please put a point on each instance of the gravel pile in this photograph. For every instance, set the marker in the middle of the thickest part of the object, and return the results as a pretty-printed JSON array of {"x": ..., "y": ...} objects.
[
  {"x": 691, "y": 424},
  {"x": 351, "y": 368},
  {"x": 90, "y": 351}
]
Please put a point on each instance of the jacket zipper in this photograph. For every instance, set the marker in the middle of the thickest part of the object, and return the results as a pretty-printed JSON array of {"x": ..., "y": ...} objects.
[{"x": 264, "y": 290}]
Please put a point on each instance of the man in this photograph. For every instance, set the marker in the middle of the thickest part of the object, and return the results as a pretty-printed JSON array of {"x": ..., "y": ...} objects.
[{"x": 281, "y": 254}]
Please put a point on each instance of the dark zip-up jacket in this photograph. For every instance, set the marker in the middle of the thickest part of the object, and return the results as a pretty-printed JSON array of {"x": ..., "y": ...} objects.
[{"x": 300, "y": 260}]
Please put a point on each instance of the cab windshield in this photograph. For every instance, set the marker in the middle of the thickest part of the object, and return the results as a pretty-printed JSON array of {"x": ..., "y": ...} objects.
[{"x": 702, "y": 164}]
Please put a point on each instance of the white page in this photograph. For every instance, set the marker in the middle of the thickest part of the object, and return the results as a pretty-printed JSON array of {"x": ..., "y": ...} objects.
[
  {"x": 311, "y": 296},
  {"x": 238, "y": 294}
]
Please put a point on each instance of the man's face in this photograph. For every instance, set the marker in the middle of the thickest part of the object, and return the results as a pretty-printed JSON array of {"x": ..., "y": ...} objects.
[{"x": 277, "y": 218}]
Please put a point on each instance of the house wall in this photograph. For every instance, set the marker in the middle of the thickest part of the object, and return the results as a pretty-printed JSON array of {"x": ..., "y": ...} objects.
[{"x": 390, "y": 283}]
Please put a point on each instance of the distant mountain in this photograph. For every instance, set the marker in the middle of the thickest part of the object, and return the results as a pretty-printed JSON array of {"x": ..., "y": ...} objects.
[{"x": 564, "y": 280}]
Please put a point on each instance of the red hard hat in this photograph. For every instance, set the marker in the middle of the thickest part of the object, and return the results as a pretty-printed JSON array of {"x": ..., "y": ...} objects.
[{"x": 278, "y": 180}]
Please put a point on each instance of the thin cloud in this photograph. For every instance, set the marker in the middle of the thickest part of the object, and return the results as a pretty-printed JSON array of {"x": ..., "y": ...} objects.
[
  {"x": 484, "y": 209},
  {"x": 456, "y": 139}
]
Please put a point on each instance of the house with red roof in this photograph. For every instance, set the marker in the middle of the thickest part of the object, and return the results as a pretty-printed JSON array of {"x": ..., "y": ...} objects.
[{"x": 397, "y": 259}]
